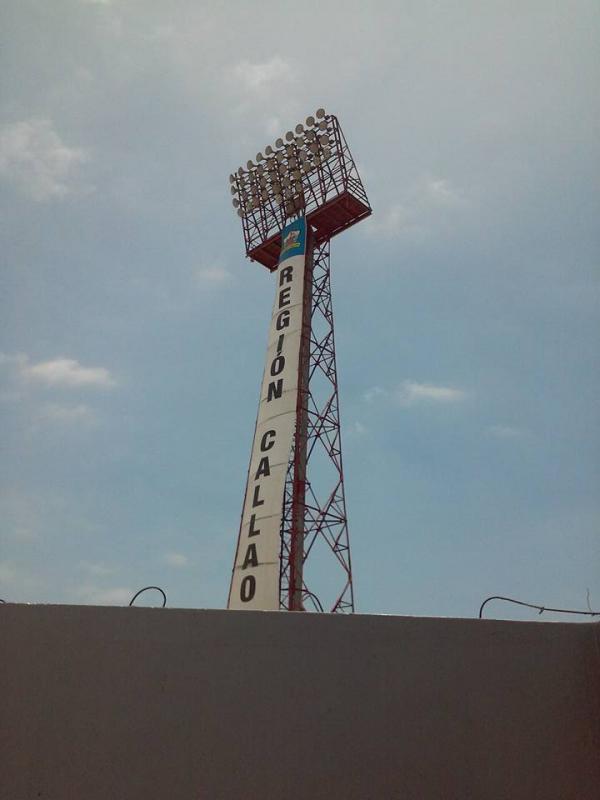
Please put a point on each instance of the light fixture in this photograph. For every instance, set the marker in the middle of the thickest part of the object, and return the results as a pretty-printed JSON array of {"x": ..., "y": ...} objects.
[{"x": 284, "y": 173}]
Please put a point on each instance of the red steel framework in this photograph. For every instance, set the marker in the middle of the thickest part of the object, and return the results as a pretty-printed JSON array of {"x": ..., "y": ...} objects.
[
  {"x": 315, "y": 565},
  {"x": 332, "y": 198},
  {"x": 314, "y": 516}
]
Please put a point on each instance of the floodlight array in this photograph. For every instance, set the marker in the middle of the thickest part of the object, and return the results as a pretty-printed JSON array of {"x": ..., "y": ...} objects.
[
  {"x": 277, "y": 181},
  {"x": 308, "y": 171}
]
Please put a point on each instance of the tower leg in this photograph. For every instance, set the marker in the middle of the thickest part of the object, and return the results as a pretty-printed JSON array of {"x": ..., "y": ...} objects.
[
  {"x": 315, "y": 550},
  {"x": 295, "y": 554}
]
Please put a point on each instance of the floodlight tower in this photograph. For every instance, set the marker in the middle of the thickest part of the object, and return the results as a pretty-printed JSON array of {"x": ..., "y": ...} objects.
[{"x": 293, "y": 547}]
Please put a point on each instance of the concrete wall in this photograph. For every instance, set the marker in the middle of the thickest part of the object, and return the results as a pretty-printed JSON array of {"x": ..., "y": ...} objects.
[{"x": 124, "y": 703}]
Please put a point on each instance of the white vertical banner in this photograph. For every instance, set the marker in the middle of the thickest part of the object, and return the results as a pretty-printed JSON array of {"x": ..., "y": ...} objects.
[{"x": 255, "y": 579}]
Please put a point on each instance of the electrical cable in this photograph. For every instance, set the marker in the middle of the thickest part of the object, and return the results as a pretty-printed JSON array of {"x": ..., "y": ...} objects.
[
  {"x": 315, "y": 600},
  {"x": 145, "y": 589},
  {"x": 541, "y": 609}
]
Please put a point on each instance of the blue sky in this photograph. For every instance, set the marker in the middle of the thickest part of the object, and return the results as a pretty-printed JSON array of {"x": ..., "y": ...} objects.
[{"x": 467, "y": 316}]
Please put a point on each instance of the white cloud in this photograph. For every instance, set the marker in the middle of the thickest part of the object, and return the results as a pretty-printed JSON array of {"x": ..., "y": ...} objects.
[
  {"x": 67, "y": 372},
  {"x": 397, "y": 219},
  {"x": 373, "y": 393},
  {"x": 505, "y": 432},
  {"x": 261, "y": 78},
  {"x": 176, "y": 560},
  {"x": 97, "y": 568},
  {"x": 273, "y": 127},
  {"x": 358, "y": 429},
  {"x": 37, "y": 161},
  {"x": 256, "y": 88},
  {"x": 79, "y": 413},
  {"x": 17, "y": 583},
  {"x": 423, "y": 209},
  {"x": 17, "y": 360},
  {"x": 442, "y": 193},
  {"x": 213, "y": 276},
  {"x": 115, "y": 596},
  {"x": 8, "y": 573},
  {"x": 411, "y": 393}
]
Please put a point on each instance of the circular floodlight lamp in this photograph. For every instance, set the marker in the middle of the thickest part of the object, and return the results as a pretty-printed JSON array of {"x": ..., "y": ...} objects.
[
  {"x": 326, "y": 152},
  {"x": 279, "y": 198},
  {"x": 323, "y": 126},
  {"x": 299, "y": 128},
  {"x": 264, "y": 194},
  {"x": 292, "y": 163},
  {"x": 235, "y": 202},
  {"x": 269, "y": 150},
  {"x": 299, "y": 140},
  {"x": 241, "y": 171},
  {"x": 310, "y": 121},
  {"x": 320, "y": 113},
  {"x": 310, "y": 135},
  {"x": 233, "y": 190},
  {"x": 240, "y": 213},
  {"x": 289, "y": 207},
  {"x": 289, "y": 136},
  {"x": 259, "y": 157},
  {"x": 296, "y": 175},
  {"x": 324, "y": 140},
  {"x": 232, "y": 179},
  {"x": 313, "y": 147},
  {"x": 249, "y": 164},
  {"x": 279, "y": 142},
  {"x": 279, "y": 157}
]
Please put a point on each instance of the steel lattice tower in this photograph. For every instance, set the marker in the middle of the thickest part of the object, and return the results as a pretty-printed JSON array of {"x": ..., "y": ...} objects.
[
  {"x": 313, "y": 177},
  {"x": 323, "y": 499}
]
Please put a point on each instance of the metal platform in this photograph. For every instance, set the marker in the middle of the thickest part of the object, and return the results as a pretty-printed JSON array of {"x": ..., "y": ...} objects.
[{"x": 327, "y": 221}]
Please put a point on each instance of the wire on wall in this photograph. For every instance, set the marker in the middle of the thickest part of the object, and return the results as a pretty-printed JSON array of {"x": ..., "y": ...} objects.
[
  {"x": 145, "y": 589},
  {"x": 541, "y": 609}
]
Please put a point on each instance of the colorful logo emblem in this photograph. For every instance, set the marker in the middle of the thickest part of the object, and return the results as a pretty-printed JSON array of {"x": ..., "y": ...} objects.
[{"x": 293, "y": 238}]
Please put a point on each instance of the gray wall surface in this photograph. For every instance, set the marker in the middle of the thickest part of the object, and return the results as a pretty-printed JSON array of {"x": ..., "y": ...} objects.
[{"x": 132, "y": 703}]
